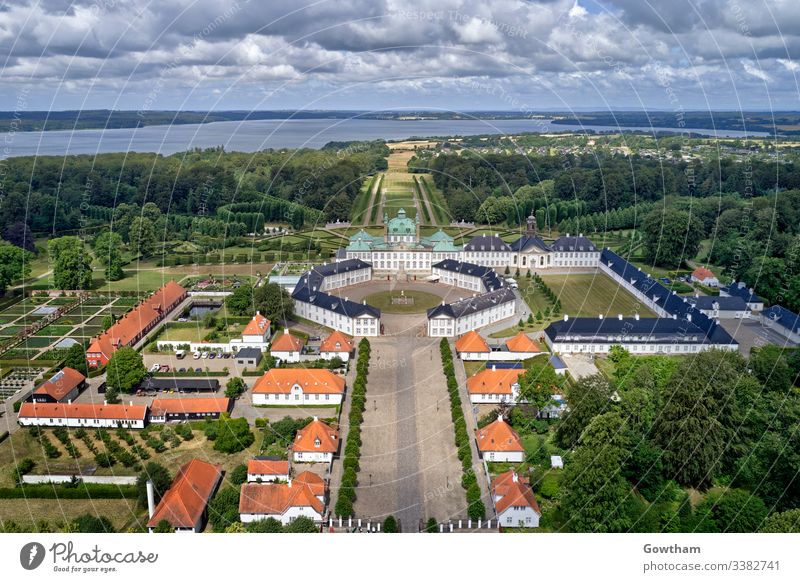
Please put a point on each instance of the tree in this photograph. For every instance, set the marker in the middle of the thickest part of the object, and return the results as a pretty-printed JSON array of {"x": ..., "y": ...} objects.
[
  {"x": 112, "y": 395},
  {"x": 688, "y": 431},
  {"x": 234, "y": 387},
  {"x": 734, "y": 511},
  {"x": 671, "y": 236},
  {"x": 240, "y": 302},
  {"x": 108, "y": 250},
  {"x": 432, "y": 526},
  {"x": 770, "y": 367},
  {"x": 783, "y": 522},
  {"x": 273, "y": 302},
  {"x": 125, "y": 370},
  {"x": 587, "y": 398},
  {"x": 19, "y": 234},
  {"x": 163, "y": 526},
  {"x": 14, "y": 265},
  {"x": 239, "y": 474},
  {"x": 223, "y": 510},
  {"x": 301, "y": 524},
  {"x": 269, "y": 525},
  {"x": 143, "y": 236},
  {"x": 161, "y": 479},
  {"x": 539, "y": 382},
  {"x": 76, "y": 359},
  {"x": 594, "y": 491},
  {"x": 72, "y": 267},
  {"x": 390, "y": 525},
  {"x": 88, "y": 523},
  {"x": 233, "y": 435}
]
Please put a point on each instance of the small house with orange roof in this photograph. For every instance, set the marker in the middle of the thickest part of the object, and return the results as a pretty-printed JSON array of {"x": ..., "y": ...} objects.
[
  {"x": 298, "y": 387},
  {"x": 287, "y": 347},
  {"x": 337, "y": 345},
  {"x": 521, "y": 347},
  {"x": 704, "y": 277},
  {"x": 185, "y": 502},
  {"x": 514, "y": 501},
  {"x": 498, "y": 442},
  {"x": 316, "y": 443},
  {"x": 472, "y": 347},
  {"x": 303, "y": 496},
  {"x": 63, "y": 386},
  {"x": 257, "y": 330},
  {"x": 494, "y": 386},
  {"x": 267, "y": 469}
]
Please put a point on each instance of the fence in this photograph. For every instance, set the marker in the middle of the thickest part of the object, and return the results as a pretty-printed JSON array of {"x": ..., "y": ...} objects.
[{"x": 100, "y": 479}]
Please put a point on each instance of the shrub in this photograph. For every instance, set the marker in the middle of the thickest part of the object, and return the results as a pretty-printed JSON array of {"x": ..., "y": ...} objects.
[{"x": 239, "y": 474}]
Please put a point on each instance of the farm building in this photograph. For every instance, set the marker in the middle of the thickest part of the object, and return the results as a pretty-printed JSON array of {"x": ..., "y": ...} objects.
[
  {"x": 180, "y": 384},
  {"x": 63, "y": 386},
  {"x": 184, "y": 504},
  {"x": 179, "y": 409},
  {"x": 82, "y": 415}
]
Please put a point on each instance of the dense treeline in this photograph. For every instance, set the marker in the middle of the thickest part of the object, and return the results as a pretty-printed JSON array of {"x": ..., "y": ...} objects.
[
  {"x": 602, "y": 182},
  {"x": 57, "y": 194},
  {"x": 661, "y": 427}
]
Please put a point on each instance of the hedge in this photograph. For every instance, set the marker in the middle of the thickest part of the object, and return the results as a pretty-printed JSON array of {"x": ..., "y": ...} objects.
[
  {"x": 82, "y": 491},
  {"x": 352, "y": 449},
  {"x": 475, "y": 507}
]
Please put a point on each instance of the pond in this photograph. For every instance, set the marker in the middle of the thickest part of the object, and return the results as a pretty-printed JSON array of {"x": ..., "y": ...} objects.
[{"x": 199, "y": 311}]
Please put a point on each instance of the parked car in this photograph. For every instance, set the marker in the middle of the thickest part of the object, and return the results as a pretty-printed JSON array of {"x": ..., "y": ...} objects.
[
  {"x": 155, "y": 367},
  {"x": 212, "y": 355},
  {"x": 314, "y": 338},
  {"x": 182, "y": 370},
  {"x": 226, "y": 355},
  {"x": 198, "y": 370},
  {"x": 182, "y": 320},
  {"x": 204, "y": 355},
  {"x": 196, "y": 355},
  {"x": 164, "y": 368}
]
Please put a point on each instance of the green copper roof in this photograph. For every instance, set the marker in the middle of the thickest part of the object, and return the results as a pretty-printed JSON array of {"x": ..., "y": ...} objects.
[{"x": 402, "y": 224}]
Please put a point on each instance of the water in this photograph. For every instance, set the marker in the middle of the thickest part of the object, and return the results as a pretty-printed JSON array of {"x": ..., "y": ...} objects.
[
  {"x": 250, "y": 136},
  {"x": 198, "y": 311}
]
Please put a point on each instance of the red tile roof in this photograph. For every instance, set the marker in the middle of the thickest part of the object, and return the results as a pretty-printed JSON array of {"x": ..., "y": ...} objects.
[
  {"x": 267, "y": 467},
  {"x": 521, "y": 343},
  {"x": 287, "y": 343},
  {"x": 316, "y": 432},
  {"x": 337, "y": 342},
  {"x": 490, "y": 381},
  {"x": 163, "y": 406},
  {"x": 498, "y": 437},
  {"x": 312, "y": 381},
  {"x": 94, "y": 411},
  {"x": 472, "y": 342},
  {"x": 701, "y": 273},
  {"x": 277, "y": 498},
  {"x": 186, "y": 500},
  {"x": 61, "y": 383},
  {"x": 514, "y": 491},
  {"x": 132, "y": 323},
  {"x": 256, "y": 326}
]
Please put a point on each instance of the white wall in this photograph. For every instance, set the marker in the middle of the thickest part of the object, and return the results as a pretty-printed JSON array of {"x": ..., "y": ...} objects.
[
  {"x": 503, "y": 457},
  {"x": 304, "y": 457},
  {"x": 525, "y": 517},
  {"x": 291, "y": 514},
  {"x": 298, "y": 399},
  {"x": 80, "y": 422}
]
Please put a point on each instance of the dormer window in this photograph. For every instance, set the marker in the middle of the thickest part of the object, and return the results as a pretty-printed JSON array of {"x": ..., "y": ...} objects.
[{"x": 317, "y": 442}]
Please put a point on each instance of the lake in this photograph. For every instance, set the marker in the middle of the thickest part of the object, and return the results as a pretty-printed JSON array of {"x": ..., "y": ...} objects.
[{"x": 250, "y": 136}]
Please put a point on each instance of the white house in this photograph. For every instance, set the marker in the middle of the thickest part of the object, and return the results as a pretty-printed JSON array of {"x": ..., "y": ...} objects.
[
  {"x": 257, "y": 330},
  {"x": 493, "y": 386},
  {"x": 472, "y": 347},
  {"x": 267, "y": 470},
  {"x": 498, "y": 442},
  {"x": 488, "y": 251},
  {"x": 783, "y": 321},
  {"x": 287, "y": 347},
  {"x": 337, "y": 345},
  {"x": 514, "y": 501},
  {"x": 449, "y": 320},
  {"x": 316, "y": 443},
  {"x": 704, "y": 277},
  {"x": 574, "y": 251},
  {"x": 298, "y": 387},
  {"x": 466, "y": 275},
  {"x": 302, "y": 496},
  {"x": 754, "y": 302},
  {"x": 720, "y": 307},
  {"x": 82, "y": 415}
]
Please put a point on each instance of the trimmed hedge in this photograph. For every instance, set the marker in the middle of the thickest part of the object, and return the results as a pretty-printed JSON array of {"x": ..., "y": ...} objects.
[
  {"x": 81, "y": 491},
  {"x": 352, "y": 449},
  {"x": 475, "y": 507}
]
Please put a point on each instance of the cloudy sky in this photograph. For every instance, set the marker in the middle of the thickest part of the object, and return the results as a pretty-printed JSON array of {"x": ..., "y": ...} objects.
[{"x": 376, "y": 54}]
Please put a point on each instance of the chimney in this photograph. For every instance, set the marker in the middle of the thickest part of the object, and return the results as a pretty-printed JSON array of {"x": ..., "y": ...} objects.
[
  {"x": 636, "y": 317},
  {"x": 697, "y": 294},
  {"x": 105, "y": 402},
  {"x": 566, "y": 317},
  {"x": 619, "y": 316},
  {"x": 499, "y": 418},
  {"x": 599, "y": 316},
  {"x": 689, "y": 317},
  {"x": 151, "y": 501},
  {"x": 290, "y": 482},
  {"x": 69, "y": 401},
  {"x": 494, "y": 367},
  {"x": 316, "y": 419},
  {"x": 514, "y": 477}
]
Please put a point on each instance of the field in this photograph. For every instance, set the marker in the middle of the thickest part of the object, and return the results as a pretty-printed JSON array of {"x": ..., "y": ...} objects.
[
  {"x": 422, "y": 301},
  {"x": 122, "y": 513}
]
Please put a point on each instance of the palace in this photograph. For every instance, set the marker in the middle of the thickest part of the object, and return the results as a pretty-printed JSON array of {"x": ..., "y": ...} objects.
[{"x": 402, "y": 250}]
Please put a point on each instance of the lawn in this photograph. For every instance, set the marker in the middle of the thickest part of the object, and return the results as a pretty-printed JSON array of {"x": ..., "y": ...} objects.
[
  {"x": 592, "y": 294},
  {"x": 26, "y": 512},
  {"x": 394, "y": 201},
  {"x": 197, "y": 332},
  {"x": 422, "y": 301}
]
